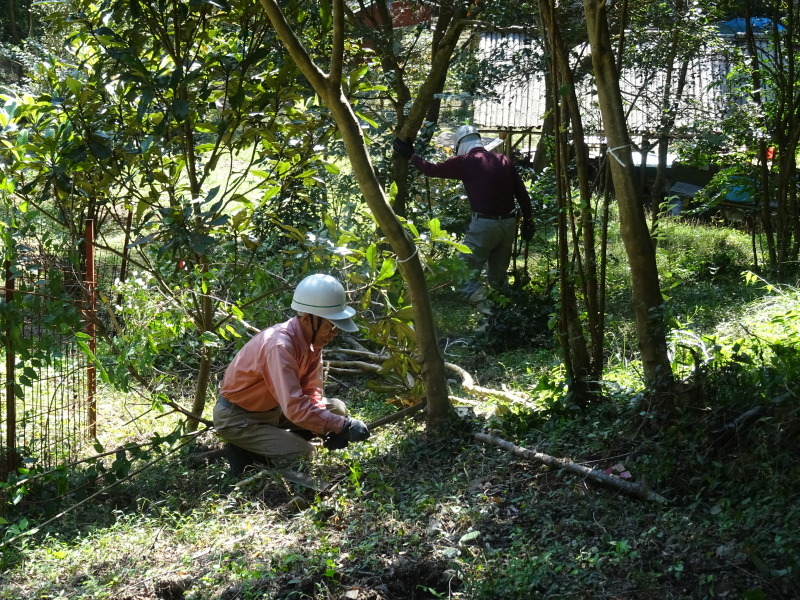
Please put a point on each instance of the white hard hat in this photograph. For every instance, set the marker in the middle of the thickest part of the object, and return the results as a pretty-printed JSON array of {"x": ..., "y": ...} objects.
[
  {"x": 324, "y": 296},
  {"x": 466, "y": 138}
]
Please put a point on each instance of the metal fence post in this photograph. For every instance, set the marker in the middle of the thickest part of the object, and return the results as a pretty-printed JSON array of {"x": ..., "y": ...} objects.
[
  {"x": 11, "y": 359},
  {"x": 91, "y": 327}
]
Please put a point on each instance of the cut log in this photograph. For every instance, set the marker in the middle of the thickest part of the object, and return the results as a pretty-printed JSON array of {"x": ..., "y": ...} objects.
[{"x": 636, "y": 490}]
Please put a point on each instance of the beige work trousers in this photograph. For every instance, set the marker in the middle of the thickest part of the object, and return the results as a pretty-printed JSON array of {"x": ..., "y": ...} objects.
[{"x": 267, "y": 433}]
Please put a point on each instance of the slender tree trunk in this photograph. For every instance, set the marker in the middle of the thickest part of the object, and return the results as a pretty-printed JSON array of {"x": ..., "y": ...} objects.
[
  {"x": 544, "y": 152},
  {"x": 442, "y": 25},
  {"x": 570, "y": 329},
  {"x": 11, "y": 19},
  {"x": 330, "y": 90},
  {"x": 668, "y": 114},
  {"x": 647, "y": 300},
  {"x": 588, "y": 262},
  {"x": 773, "y": 245}
]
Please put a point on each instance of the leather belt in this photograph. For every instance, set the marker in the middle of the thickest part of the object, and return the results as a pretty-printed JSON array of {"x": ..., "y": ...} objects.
[{"x": 478, "y": 215}]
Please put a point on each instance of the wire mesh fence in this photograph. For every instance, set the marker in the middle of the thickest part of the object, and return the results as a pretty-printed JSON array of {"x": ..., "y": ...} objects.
[{"x": 48, "y": 412}]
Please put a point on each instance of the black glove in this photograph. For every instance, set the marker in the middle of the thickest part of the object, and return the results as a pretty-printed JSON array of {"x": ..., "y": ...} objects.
[
  {"x": 358, "y": 431},
  {"x": 527, "y": 229},
  {"x": 403, "y": 147},
  {"x": 354, "y": 431},
  {"x": 337, "y": 441}
]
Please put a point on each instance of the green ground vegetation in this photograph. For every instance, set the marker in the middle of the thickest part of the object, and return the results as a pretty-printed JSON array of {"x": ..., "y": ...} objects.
[{"x": 416, "y": 514}]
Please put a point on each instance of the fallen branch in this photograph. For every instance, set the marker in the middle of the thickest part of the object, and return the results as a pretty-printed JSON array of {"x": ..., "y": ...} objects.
[
  {"x": 349, "y": 367},
  {"x": 361, "y": 353},
  {"x": 352, "y": 365},
  {"x": 632, "y": 489},
  {"x": 101, "y": 491},
  {"x": 468, "y": 383},
  {"x": 304, "y": 479},
  {"x": 398, "y": 416},
  {"x": 355, "y": 367},
  {"x": 739, "y": 421}
]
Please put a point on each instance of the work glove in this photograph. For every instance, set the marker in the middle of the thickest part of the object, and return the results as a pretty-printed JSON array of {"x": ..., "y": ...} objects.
[
  {"x": 358, "y": 431},
  {"x": 354, "y": 431},
  {"x": 403, "y": 147},
  {"x": 527, "y": 229}
]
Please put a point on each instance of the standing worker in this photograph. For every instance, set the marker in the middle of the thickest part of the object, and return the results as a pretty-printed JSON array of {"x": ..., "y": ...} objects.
[
  {"x": 492, "y": 183},
  {"x": 270, "y": 401}
]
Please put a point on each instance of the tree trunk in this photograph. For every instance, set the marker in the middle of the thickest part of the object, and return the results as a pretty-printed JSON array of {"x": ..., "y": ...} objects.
[
  {"x": 647, "y": 300},
  {"x": 330, "y": 90},
  {"x": 773, "y": 246},
  {"x": 588, "y": 262},
  {"x": 13, "y": 30},
  {"x": 570, "y": 330},
  {"x": 205, "y": 322},
  {"x": 668, "y": 116}
]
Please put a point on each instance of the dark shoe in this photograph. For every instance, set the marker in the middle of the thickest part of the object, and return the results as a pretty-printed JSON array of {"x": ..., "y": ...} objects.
[{"x": 239, "y": 459}]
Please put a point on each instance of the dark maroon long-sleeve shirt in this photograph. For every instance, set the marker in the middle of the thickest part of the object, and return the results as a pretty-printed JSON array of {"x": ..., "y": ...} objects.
[{"x": 490, "y": 180}]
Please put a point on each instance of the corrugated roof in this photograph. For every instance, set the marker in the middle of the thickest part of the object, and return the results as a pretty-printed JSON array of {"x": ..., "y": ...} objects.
[{"x": 519, "y": 102}]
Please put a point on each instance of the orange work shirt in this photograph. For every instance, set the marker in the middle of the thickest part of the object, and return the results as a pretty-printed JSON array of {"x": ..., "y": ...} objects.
[{"x": 278, "y": 367}]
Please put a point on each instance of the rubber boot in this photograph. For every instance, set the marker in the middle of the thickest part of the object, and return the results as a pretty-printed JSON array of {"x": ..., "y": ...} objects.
[{"x": 239, "y": 459}]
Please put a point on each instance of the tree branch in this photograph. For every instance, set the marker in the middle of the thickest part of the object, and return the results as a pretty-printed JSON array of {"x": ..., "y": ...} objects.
[
  {"x": 637, "y": 490},
  {"x": 297, "y": 51},
  {"x": 337, "y": 50}
]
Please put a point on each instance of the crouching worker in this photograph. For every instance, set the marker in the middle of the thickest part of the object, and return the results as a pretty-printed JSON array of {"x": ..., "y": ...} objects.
[{"x": 270, "y": 401}]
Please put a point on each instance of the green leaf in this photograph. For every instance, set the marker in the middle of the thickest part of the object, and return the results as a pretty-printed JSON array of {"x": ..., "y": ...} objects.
[
  {"x": 458, "y": 246},
  {"x": 74, "y": 85},
  {"x": 363, "y": 117},
  {"x": 435, "y": 227},
  {"x": 372, "y": 256},
  {"x": 468, "y": 537},
  {"x": 388, "y": 269},
  {"x": 180, "y": 108},
  {"x": 406, "y": 313}
]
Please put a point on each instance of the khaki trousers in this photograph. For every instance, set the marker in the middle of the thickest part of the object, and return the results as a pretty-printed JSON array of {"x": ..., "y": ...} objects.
[
  {"x": 491, "y": 242},
  {"x": 267, "y": 433}
]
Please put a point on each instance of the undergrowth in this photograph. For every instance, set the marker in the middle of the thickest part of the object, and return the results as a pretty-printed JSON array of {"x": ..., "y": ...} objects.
[{"x": 413, "y": 514}]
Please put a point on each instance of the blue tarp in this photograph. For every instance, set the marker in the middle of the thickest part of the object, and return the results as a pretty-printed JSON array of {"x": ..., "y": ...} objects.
[
  {"x": 740, "y": 189},
  {"x": 759, "y": 24}
]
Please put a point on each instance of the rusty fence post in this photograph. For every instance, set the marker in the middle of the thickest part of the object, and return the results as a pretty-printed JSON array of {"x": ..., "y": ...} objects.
[{"x": 91, "y": 328}]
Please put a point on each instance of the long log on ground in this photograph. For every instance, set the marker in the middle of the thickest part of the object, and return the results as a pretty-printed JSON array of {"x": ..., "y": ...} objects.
[{"x": 632, "y": 489}]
